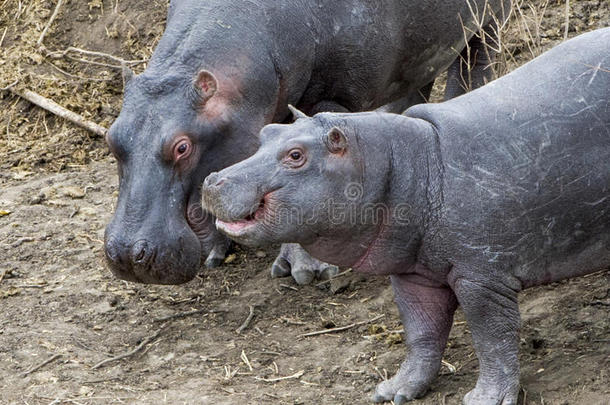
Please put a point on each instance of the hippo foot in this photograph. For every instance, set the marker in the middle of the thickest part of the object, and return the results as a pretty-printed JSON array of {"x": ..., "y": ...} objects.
[
  {"x": 410, "y": 382},
  {"x": 217, "y": 255},
  {"x": 492, "y": 395},
  {"x": 294, "y": 260}
]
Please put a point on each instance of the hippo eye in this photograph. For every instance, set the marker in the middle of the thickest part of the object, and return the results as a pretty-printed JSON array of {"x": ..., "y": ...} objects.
[
  {"x": 294, "y": 158},
  {"x": 182, "y": 149}
]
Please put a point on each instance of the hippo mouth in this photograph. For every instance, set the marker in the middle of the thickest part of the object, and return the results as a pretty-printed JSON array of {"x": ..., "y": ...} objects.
[{"x": 240, "y": 227}]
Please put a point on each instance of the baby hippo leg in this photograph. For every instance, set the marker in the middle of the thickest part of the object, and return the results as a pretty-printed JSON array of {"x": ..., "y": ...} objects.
[
  {"x": 426, "y": 309},
  {"x": 492, "y": 314}
]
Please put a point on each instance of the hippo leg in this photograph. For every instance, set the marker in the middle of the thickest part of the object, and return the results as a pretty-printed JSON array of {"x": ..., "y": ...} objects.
[
  {"x": 427, "y": 311},
  {"x": 493, "y": 318},
  {"x": 472, "y": 69},
  {"x": 399, "y": 106},
  {"x": 218, "y": 253},
  {"x": 294, "y": 260}
]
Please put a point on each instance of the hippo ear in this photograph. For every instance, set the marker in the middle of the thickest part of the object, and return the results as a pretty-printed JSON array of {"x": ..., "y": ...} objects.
[
  {"x": 336, "y": 141},
  {"x": 127, "y": 74},
  {"x": 296, "y": 113},
  {"x": 206, "y": 85}
]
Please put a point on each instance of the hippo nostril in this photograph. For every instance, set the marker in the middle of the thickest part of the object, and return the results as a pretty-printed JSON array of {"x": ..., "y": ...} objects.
[
  {"x": 141, "y": 252},
  {"x": 113, "y": 250},
  {"x": 211, "y": 179}
]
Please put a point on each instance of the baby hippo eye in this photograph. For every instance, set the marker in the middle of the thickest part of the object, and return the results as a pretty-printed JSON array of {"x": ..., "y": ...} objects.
[{"x": 294, "y": 158}]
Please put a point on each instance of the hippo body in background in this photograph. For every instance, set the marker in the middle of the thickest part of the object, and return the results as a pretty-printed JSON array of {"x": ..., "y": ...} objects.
[
  {"x": 464, "y": 202},
  {"x": 223, "y": 69}
]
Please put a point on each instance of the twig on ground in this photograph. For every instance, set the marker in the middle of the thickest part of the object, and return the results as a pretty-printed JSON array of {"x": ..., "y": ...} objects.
[
  {"x": 450, "y": 366},
  {"x": 3, "y": 275},
  {"x": 567, "y": 21},
  {"x": 13, "y": 84},
  {"x": 321, "y": 283},
  {"x": 41, "y": 365},
  {"x": 298, "y": 374},
  {"x": 386, "y": 333},
  {"x": 85, "y": 79},
  {"x": 32, "y": 286},
  {"x": 91, "y": 62},
  {"x": 58, "y": 54},
  {"x": 21, "y": 241},
  {"x": 597, "y": 273},
  {"x": 129, "y": 353},
  {"x": 3, "y": 35},
  {"x": 60, "y": 111},
  {"x": 340, "y": 328},
  {"x": 101, "y": 380},
  {"x": 246, "y": 361},
  {"x": 53, "y": 16},
  {"x": 180, "y": 315},
  {"x": 247, "y": 321}
]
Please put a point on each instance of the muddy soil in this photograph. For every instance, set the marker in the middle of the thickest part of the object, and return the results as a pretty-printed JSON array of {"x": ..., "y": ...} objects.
[{"x": 58, "y": 186}]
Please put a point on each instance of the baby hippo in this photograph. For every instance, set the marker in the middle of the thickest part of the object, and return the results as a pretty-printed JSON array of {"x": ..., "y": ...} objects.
[{"x": 465, "y": 202}]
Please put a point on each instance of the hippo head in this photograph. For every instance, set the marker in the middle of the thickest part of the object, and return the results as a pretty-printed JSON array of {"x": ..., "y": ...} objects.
[
  {"x": 173, "y": 131},
  {"x": 306, "y": 184}
]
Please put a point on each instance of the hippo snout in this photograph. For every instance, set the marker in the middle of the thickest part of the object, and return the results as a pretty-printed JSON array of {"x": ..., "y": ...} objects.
[
  {"x": 213, "y": 180},
  {"x": 230, "y": 199},
  {"x": 121, "y": 253},
  {"x": 152, "y": 261}
]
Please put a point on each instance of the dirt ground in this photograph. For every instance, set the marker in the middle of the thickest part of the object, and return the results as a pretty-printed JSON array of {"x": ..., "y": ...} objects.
[{"x": 58, "y": 185}]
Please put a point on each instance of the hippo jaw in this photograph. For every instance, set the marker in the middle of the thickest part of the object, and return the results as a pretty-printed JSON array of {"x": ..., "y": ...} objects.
[
  {"x": 214, "y": 245},
  {"x": 242, "y": 230}
]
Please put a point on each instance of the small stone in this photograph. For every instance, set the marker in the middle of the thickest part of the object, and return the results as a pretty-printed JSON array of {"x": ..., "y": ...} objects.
[
  {"x": 74, "y": 192},
  {"x": 87, "y": 211},
  {"x": 261, "y": 254},
  {"x": 11, "y": 291},
  {"x": 38, "y": 199},
  {"x": 339, "y": 284}
]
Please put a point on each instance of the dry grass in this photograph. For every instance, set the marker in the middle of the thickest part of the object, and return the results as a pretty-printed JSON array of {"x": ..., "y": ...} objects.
[
  {"x": 531, "y": 28},
  {"x": 87, "y": 83}
]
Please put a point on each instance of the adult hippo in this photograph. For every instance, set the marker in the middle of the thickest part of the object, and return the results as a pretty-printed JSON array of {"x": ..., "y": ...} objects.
[
  {"x": 464, "y": 202},
  {"x": 225, "y": 68}
]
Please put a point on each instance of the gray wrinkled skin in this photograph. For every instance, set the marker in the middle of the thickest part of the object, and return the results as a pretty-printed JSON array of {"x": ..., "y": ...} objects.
[
  {"x": 256, "y": 57},
  {"x": 476, "y": 198}
]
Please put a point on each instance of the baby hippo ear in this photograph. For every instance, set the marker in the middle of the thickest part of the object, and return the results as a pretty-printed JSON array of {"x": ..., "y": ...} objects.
[
  {"x": 296, "y": 113},
  {"x": 206, "y": 85},
  {"x": 336, "y": 141}
]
